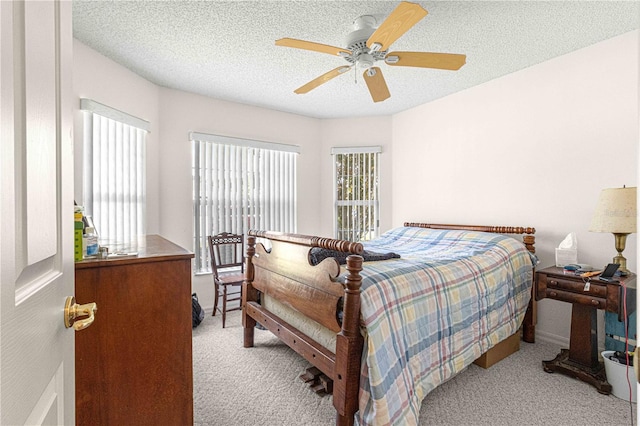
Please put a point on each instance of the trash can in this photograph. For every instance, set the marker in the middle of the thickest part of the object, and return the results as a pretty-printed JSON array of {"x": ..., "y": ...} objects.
[{"x": 617, "y": 377}]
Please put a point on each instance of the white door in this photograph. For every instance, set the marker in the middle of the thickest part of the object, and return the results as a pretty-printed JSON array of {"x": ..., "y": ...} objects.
[{"x": 36, "y": 213}]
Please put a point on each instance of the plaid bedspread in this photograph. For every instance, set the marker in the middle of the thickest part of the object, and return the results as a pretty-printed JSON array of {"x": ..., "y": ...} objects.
[{"x": 451, "y": 297}]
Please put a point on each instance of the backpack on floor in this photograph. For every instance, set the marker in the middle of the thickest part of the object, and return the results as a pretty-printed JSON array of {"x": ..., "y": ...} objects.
[{"x": 197, "y": 313}]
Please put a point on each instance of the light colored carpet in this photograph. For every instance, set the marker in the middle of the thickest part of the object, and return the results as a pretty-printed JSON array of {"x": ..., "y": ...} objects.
[{"x": 260, "y": 386}]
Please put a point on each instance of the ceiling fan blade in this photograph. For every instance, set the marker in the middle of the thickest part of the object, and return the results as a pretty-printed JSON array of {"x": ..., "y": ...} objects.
[
  {"x": 322, "y": 79},
  {"x": 376, "y": 84},
  {"x": 309, "y": 45},
  {"x": 405, "y": 16},
  {"x": 443, "y": 61}
]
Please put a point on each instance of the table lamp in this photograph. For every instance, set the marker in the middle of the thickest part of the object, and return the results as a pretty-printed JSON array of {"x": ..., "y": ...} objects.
[{"x": 616, "y": 213}]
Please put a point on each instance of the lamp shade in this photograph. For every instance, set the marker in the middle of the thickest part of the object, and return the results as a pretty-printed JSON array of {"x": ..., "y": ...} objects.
[{"x": 615, "y": 211}]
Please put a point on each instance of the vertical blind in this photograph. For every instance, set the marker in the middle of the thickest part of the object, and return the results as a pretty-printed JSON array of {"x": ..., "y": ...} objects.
[
  {"x": 240, "y": 185},
  {"x": 356, "y": 193},
  {"x": 114, "y": 174}
]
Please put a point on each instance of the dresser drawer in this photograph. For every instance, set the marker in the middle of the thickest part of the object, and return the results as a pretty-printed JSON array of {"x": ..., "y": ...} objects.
[
  {"x": 554, "y": 283},
  {"x": 571, "y": 297},
  {"x": 574, "y": 286}
]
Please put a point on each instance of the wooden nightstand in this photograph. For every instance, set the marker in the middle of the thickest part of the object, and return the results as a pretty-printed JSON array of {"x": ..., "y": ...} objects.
[{"x": 586, "y": 296}]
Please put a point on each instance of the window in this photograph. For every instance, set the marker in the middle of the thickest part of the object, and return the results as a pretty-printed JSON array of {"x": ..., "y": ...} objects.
[
  {"x": 114, "y": 172},
  {"x": 238, "y": 185},
  {"x": 356, "y": 193}
]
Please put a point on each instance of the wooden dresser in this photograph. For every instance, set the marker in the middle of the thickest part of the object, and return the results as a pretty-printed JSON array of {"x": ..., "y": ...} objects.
[{"x": 134, "y": 364}]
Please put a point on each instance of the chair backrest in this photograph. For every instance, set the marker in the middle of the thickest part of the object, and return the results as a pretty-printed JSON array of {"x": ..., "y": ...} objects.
[{"x": 226, "y": 251}]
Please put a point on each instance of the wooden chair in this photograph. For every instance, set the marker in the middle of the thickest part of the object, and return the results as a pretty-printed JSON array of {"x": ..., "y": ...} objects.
[{"x": 227, "y": 265}]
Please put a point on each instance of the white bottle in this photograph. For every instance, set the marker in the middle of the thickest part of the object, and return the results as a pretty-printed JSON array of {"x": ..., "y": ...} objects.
[{"x": 89, "y": 242}]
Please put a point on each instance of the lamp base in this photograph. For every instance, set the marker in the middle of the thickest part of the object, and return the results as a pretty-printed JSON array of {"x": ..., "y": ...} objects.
[
  {"x": 620, "y": 260},
  {"x": 621, "y": 242}
]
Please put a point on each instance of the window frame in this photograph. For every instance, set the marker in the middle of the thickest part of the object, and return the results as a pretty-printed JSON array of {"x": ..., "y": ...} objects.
[{"x": 372, "y": 154}]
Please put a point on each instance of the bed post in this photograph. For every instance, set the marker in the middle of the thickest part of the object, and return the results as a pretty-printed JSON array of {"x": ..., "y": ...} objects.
[
  {"x": 531, "y": 317},
  {"x": 249, "y": 294},
  {"x": 349, "y": 343}
]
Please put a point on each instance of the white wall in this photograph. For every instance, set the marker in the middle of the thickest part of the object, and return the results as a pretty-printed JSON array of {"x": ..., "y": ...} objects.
[{"x": 533, "y": 148}]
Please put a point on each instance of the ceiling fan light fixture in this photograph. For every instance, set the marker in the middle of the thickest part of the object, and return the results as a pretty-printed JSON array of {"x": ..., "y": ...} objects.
[{"x": 365, "y": 60}]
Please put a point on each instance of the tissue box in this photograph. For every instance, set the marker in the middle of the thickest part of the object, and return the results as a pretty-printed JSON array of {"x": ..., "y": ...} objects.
[{"x": 566, "y": 257}]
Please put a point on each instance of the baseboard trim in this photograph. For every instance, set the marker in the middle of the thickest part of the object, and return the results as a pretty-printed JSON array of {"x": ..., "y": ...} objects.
[
  {"x": 208, "y": 309},
  {"x": 552, "y": 338}
]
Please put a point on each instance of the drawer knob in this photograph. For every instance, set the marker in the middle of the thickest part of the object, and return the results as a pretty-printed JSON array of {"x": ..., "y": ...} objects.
[
  {"x": 553, "y": 294},
  {"x": 595, "y": 302}
]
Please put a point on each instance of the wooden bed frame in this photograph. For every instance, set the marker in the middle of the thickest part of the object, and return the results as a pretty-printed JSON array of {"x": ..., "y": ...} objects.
[{"x": 286, "y": 274}]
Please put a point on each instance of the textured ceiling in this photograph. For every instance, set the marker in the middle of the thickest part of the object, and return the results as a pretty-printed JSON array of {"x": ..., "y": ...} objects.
[{"x": 226, "y": 50}]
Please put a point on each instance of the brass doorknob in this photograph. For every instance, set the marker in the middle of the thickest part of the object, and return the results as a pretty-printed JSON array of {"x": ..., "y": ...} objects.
[{"x": 72, "y": 311}]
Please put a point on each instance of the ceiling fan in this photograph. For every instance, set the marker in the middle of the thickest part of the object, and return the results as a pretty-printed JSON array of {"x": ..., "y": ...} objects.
[{"x": 367, "y": 45}]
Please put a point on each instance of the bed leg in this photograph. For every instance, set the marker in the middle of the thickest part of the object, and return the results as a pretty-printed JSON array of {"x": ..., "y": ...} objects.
[
  {"x": 529, "y": 323},
  {"x": 249, "y": 294},
  {"x": 348, "y": 420},
  {"x": 248, "y": 337},
  {"x": 248, "y": 323}
]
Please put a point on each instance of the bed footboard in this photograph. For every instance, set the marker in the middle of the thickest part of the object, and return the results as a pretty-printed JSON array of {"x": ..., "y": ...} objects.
[{"x": 317, "y": 292}]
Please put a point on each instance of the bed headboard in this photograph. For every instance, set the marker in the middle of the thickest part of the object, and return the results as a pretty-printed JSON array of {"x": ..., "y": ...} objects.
[{"x": 528, "y": 239}]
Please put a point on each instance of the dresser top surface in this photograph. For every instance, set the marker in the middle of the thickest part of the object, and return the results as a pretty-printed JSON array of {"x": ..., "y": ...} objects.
[
  {"x": 628, "y": 280},
  {"x": 146, "y": 248}
]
